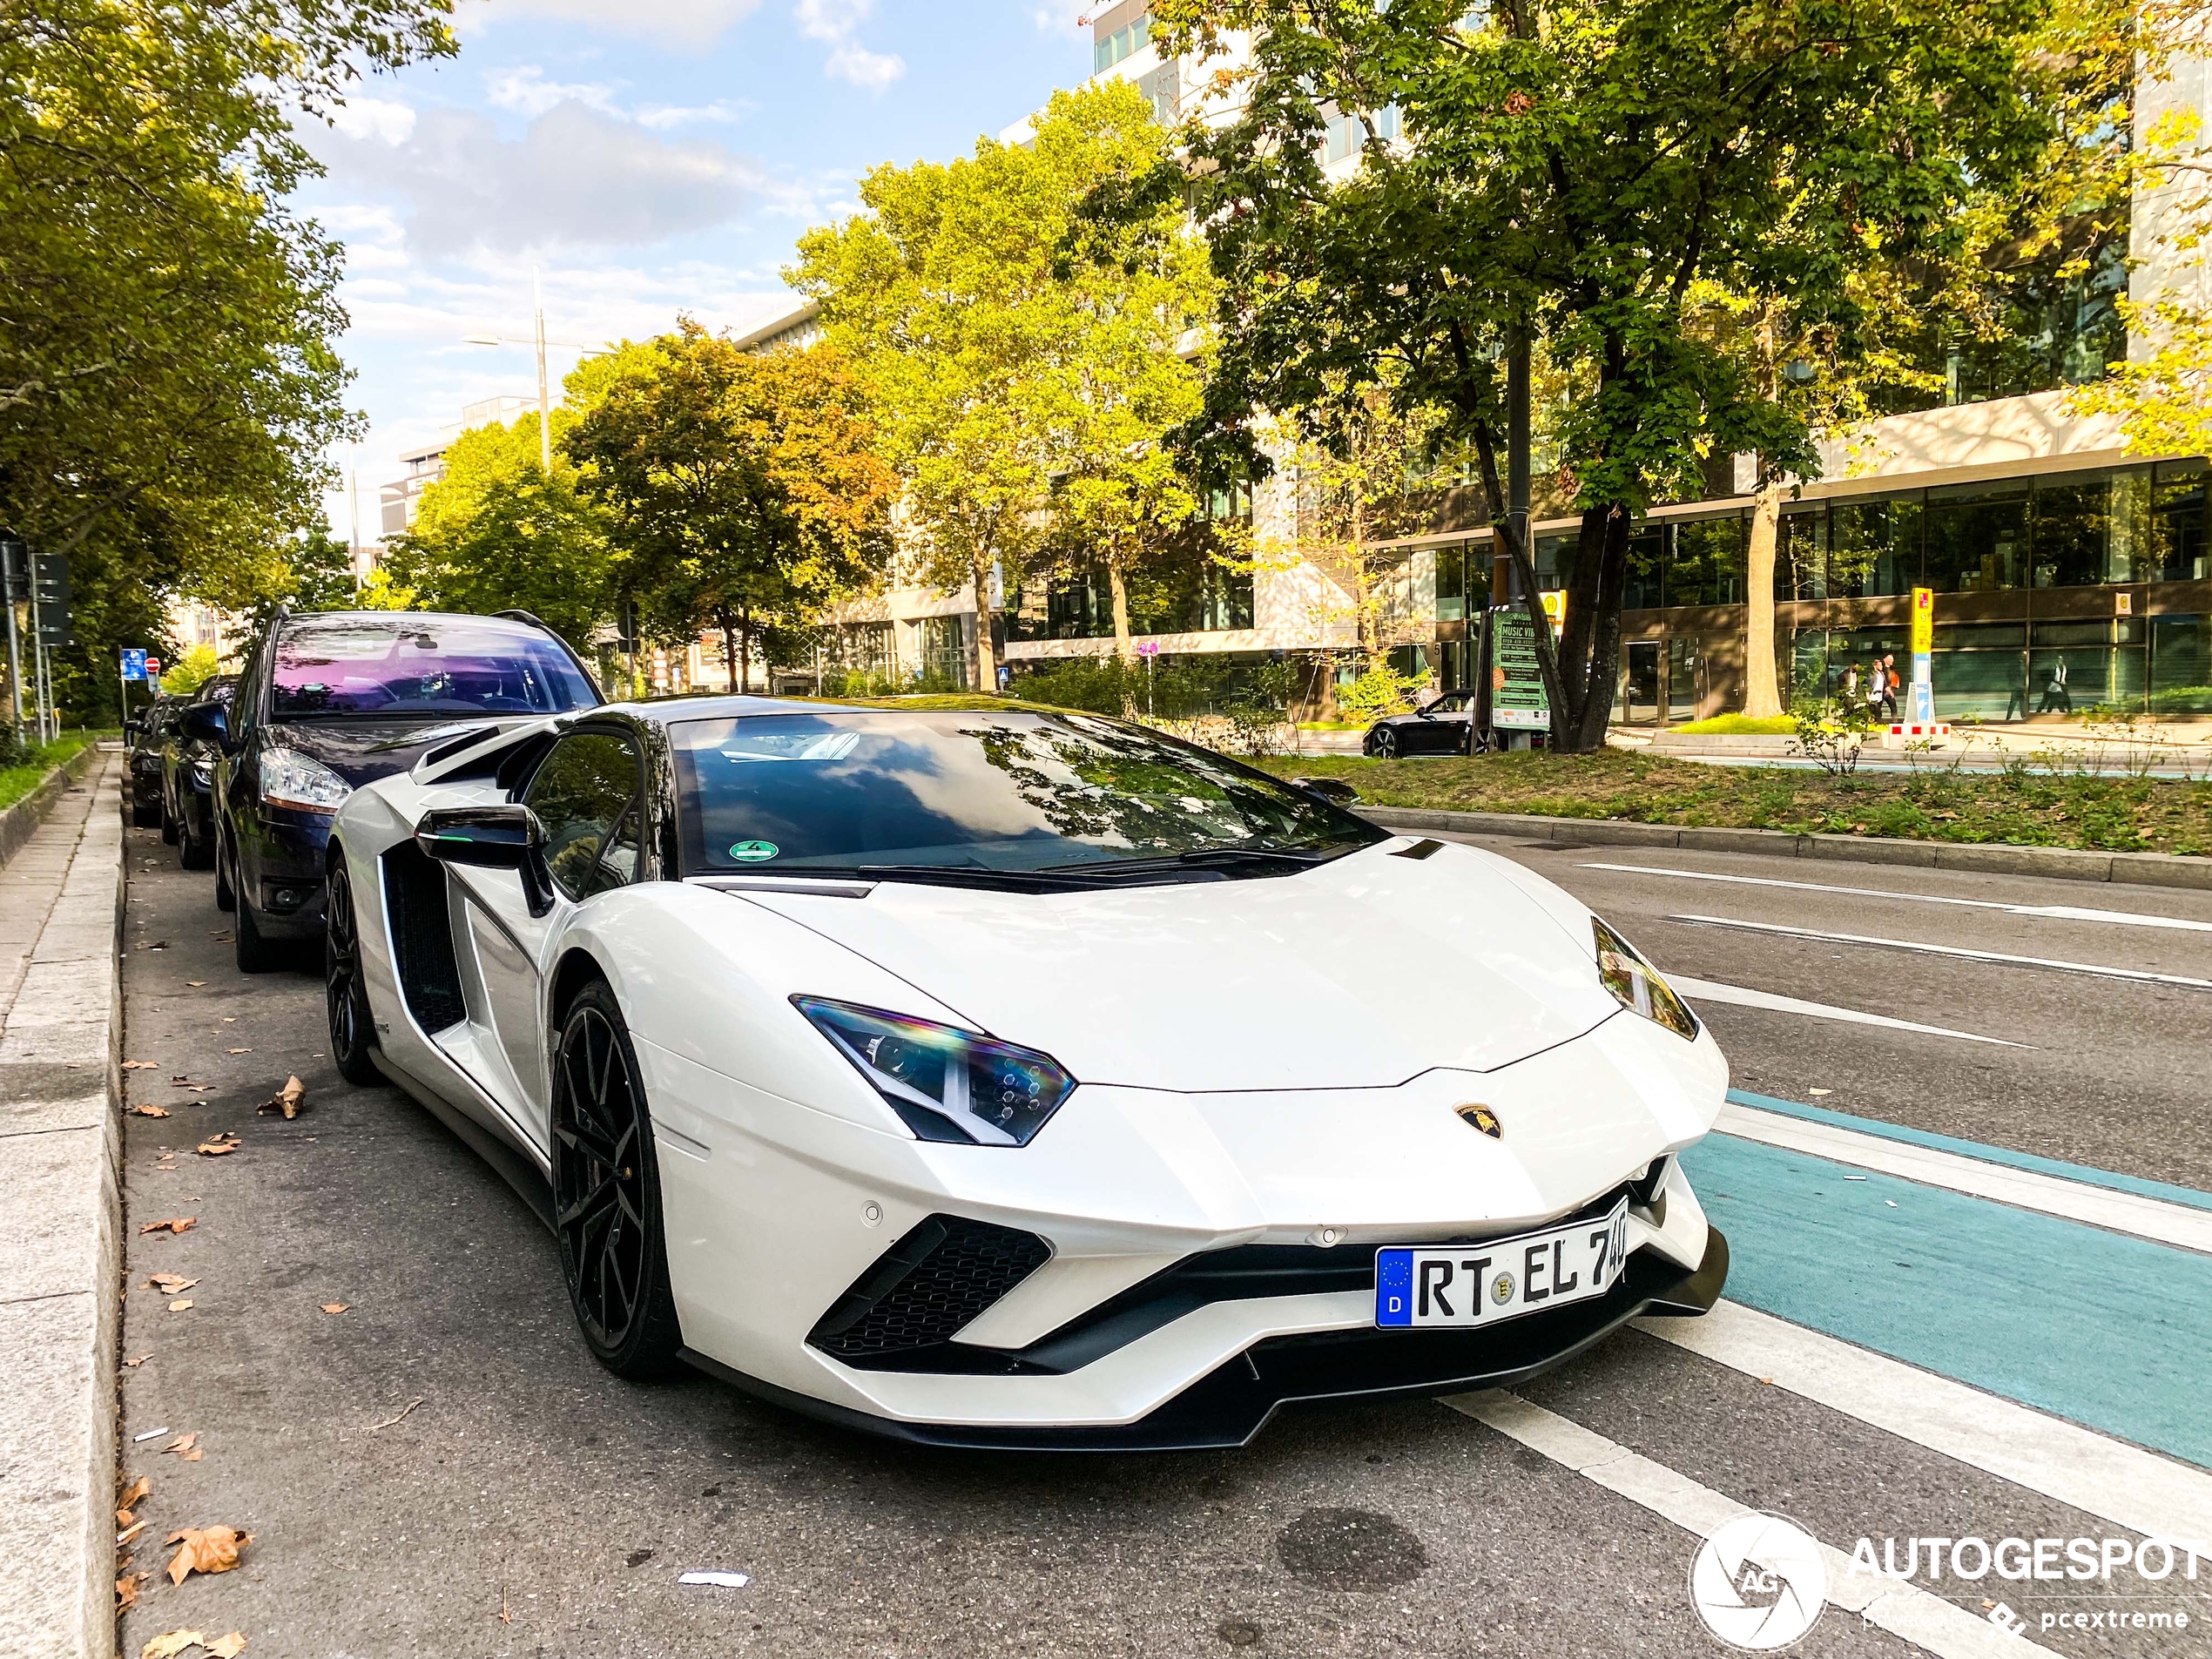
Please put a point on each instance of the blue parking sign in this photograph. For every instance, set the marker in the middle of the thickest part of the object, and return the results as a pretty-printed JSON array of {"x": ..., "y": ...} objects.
[{"x": 134, "y": 662}]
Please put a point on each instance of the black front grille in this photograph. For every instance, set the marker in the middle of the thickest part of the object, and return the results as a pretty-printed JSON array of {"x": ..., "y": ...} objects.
[{"x": 924, "y": 1289}]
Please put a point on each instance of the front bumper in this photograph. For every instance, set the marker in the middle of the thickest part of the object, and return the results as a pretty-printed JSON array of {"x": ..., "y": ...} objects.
[{"x": 1233, "y": 1402}]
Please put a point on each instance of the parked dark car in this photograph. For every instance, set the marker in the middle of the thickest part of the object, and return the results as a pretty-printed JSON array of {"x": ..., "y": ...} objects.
[
  {"x": 146, "y": 731},
  {"x": 188, "y": 778},
  {"x": 1439, "y": 729},
  {"x": 335, "y": 699}
]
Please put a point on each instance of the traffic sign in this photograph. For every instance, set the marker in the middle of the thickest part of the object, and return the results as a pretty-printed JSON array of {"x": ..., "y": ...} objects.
[{"x": 134, "y": 662}]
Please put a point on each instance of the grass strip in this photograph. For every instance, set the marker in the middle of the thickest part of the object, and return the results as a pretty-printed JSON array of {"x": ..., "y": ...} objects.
[{"x": 2016, "y": 806}]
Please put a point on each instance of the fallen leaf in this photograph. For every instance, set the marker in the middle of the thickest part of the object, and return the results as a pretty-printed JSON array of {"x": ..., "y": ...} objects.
[
  {"x": 227, "y": 1647},
  {"x": 170, "y": 1644},
  {"x": 181, "y": 1305},
  {"x": 226, "y": 1142},
  {"x": 238, "y": 1051},
  {"x": 149, "y": 1111},
  {"x": 171, "y": 1283},
  {"x": 195, "y": 983},
  {"x": 140, "y": 1360},
  {"x": 204, "y": 1550},
  {"x": 288, "y": 1100},
  {"x": 186, "y": 1447},
  {"x": 129, "y": 1499},
  {"x": 142, "y": 1065},
  {"x": 229, "y": 1019},
  {"x": 335, "y": 1307},
  {"x": 174, "y": 1225},
  {"x": 126, "y": 1591}
]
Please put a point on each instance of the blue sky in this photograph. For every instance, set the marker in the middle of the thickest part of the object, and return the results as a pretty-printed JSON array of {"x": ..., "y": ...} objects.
[{"x": 653, "y": 157}]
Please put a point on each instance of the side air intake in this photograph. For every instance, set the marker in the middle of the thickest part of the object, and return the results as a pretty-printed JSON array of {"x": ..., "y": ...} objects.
[
  {"x": 414, "y": 898},
  {"x": 925, "y": 1288}
]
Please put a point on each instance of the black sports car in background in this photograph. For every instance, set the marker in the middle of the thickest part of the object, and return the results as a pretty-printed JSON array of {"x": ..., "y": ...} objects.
[{"x": 1439, "y": 729}]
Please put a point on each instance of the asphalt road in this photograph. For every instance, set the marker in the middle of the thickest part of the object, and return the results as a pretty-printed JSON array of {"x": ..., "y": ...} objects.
[{"x": 441, "y": 1469}]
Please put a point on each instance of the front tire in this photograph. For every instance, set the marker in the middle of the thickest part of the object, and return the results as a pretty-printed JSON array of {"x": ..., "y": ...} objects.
[
  {"x": 168, "y": 822},
  {"x": 225, "y": 894},
  {"x": 1382, "y": 744},
  {"x": 193, "y": 852},
  {"x": 606, "y": 1193},
  {"x": 256, "y": 955},
  {"x": 351, "y": 1026}
]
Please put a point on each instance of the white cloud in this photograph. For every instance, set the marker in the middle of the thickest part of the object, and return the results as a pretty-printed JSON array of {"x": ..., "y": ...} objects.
[
  {"x": 527, "y": 92},
  {"x": 577, "y": 179},
  {"x": 381, "y": 120},
  {"x": 680, "y": 22},
  {"x": 662, "y": 116},
  {"x": 834, "y": 23}
]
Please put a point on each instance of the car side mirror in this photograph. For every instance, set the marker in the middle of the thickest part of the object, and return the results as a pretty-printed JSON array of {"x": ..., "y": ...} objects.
[
  {"x": 209, "y": 722},
  {"x": 1335, "y": 790},
  {"x": 492, "y": 838}
]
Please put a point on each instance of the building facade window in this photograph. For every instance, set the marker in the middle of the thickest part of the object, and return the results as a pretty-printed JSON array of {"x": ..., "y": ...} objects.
[
  {"x": 1109, "y": 49},
  {"x": 1345, "y": 134}
]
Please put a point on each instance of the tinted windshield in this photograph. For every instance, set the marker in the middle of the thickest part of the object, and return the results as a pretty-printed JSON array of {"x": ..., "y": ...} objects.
[
  {"x": 975, "y": 790},
  {"x": 422, "y": 665}
]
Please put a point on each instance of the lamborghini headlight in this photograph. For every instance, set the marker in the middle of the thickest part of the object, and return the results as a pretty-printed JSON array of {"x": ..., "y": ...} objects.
[
  {"x": 1636, "y": 983},
  {"x": 947, "y": 1084},
  {"x": 290, "y": 779}
]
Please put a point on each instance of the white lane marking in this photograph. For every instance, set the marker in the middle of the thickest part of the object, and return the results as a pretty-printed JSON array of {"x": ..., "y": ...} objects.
[
  {"x": 2156, "y": 1496},
  {"x": 2124, "y": 1212},
  {"x": 2055, "y": 911},
  {"x": 1904, "y": 1610},
  {"x": 1705, "y": 990},
  {"x": 2140, "y": 975}
]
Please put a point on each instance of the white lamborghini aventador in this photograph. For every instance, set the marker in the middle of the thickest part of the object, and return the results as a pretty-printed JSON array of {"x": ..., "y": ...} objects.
[{"x": 1018, "y": 1079}]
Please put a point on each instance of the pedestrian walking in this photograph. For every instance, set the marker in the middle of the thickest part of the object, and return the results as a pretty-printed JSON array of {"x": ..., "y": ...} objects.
[
  {"x": 2054, "y": 690},
  {"x": 1889, "y": 685}
]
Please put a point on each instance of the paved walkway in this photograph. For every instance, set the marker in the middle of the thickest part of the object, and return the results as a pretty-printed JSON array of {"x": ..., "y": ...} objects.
[{"x": 60, "y": 899}]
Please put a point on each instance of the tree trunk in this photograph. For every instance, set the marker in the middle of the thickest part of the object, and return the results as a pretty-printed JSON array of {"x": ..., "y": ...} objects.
[
  {"x": 729, "y": 648},
  {"x": 745, "y": 652},
  {"x": 987, "y": 666},
  {"x": 1761, "y": 698},
  {"x": 1485, "y": 450},
  {"x": 1584, "y": 582},
  {"x": 1124, "y": 647},
  {"x": 1605, "y": 631}
]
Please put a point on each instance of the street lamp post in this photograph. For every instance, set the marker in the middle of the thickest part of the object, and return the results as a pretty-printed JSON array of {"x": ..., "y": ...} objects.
[{"x": 540, "y": 342}]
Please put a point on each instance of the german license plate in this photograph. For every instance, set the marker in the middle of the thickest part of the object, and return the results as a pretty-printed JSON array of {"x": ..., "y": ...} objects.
[{"x": 1461, "y": 1285}]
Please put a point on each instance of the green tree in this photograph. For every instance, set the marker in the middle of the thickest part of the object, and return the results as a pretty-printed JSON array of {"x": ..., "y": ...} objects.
[
  {"x": 1572, "y": 169},
  {"x": 167, "y": 384},
  {"x": 744, "y": 489},
  {"x": 957, "y": 293},
  {"x": 496, "y": 533}
]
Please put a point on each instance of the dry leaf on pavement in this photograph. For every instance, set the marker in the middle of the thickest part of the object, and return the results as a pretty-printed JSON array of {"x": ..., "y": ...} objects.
[
  {"x": 227, "y": 1647},
  {"x": 226, "y": 1142},
  {"x": 140, "y": 1360},
  {"x": 204, "y": 1550},
  {"x": 126, "y": 1591},
  {"x": 181, "y": 1305},
  {"x": 171, "y": 1283},
  {"x": 149, "y": 1111},
  {"x": 195, "y": 983},
  {"x": 129, "y": 1497},
  {"x": 288, "y": 1100},
  {"x": 186, "y": 1447},
  {"x": 142, "y": 1065},
  {"x": 335, "y": 1307},
  {"x": 238, "y": 1051},
  {"x": 174, "y": 1225},
  {"x": 170, "y": 1644}
]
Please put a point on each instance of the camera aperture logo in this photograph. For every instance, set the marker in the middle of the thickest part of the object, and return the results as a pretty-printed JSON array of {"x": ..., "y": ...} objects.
[{"x": 1759, "y": 1583}]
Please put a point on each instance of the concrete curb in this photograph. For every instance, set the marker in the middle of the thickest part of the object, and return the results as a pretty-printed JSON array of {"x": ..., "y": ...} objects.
[
  {"x": 2136, "y": 869},
  {"x": 18, "y": 822},
  {"x": 60, "y": 1312}
]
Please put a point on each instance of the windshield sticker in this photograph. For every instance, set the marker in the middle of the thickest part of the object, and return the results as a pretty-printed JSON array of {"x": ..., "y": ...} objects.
[{"x": 753, "y": 852}]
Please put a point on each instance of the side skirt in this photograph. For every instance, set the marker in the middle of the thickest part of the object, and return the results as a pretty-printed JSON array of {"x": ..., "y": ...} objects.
[{"x": 517, "y": 1169}]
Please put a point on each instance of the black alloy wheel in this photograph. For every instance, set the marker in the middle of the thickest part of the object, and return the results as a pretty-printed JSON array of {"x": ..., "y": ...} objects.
[
  {"x": 255, "y": 953},
  {"x": 1382, "y": 743},
  {"x": 168, "y": 819},
  {"x": 193, "y": 852},
  {"x": 352, "y": 1027},
  {"x": 606, "y": 1193},
  {"x": 226, "y": 895}
]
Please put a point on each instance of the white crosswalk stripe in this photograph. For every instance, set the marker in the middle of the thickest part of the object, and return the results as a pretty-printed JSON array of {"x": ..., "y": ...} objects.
[
  {"x": 2142, "y": 1491},
  {"x": 2139, "y": 975},
  {"x": 1705, "y": 990},
  {"x": 2048, "y": 912},
  {"x": 1904, "y": 1610}
]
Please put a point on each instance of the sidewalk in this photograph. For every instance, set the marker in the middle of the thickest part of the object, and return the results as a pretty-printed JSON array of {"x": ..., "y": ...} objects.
[{"x": 60, "y": 915}]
